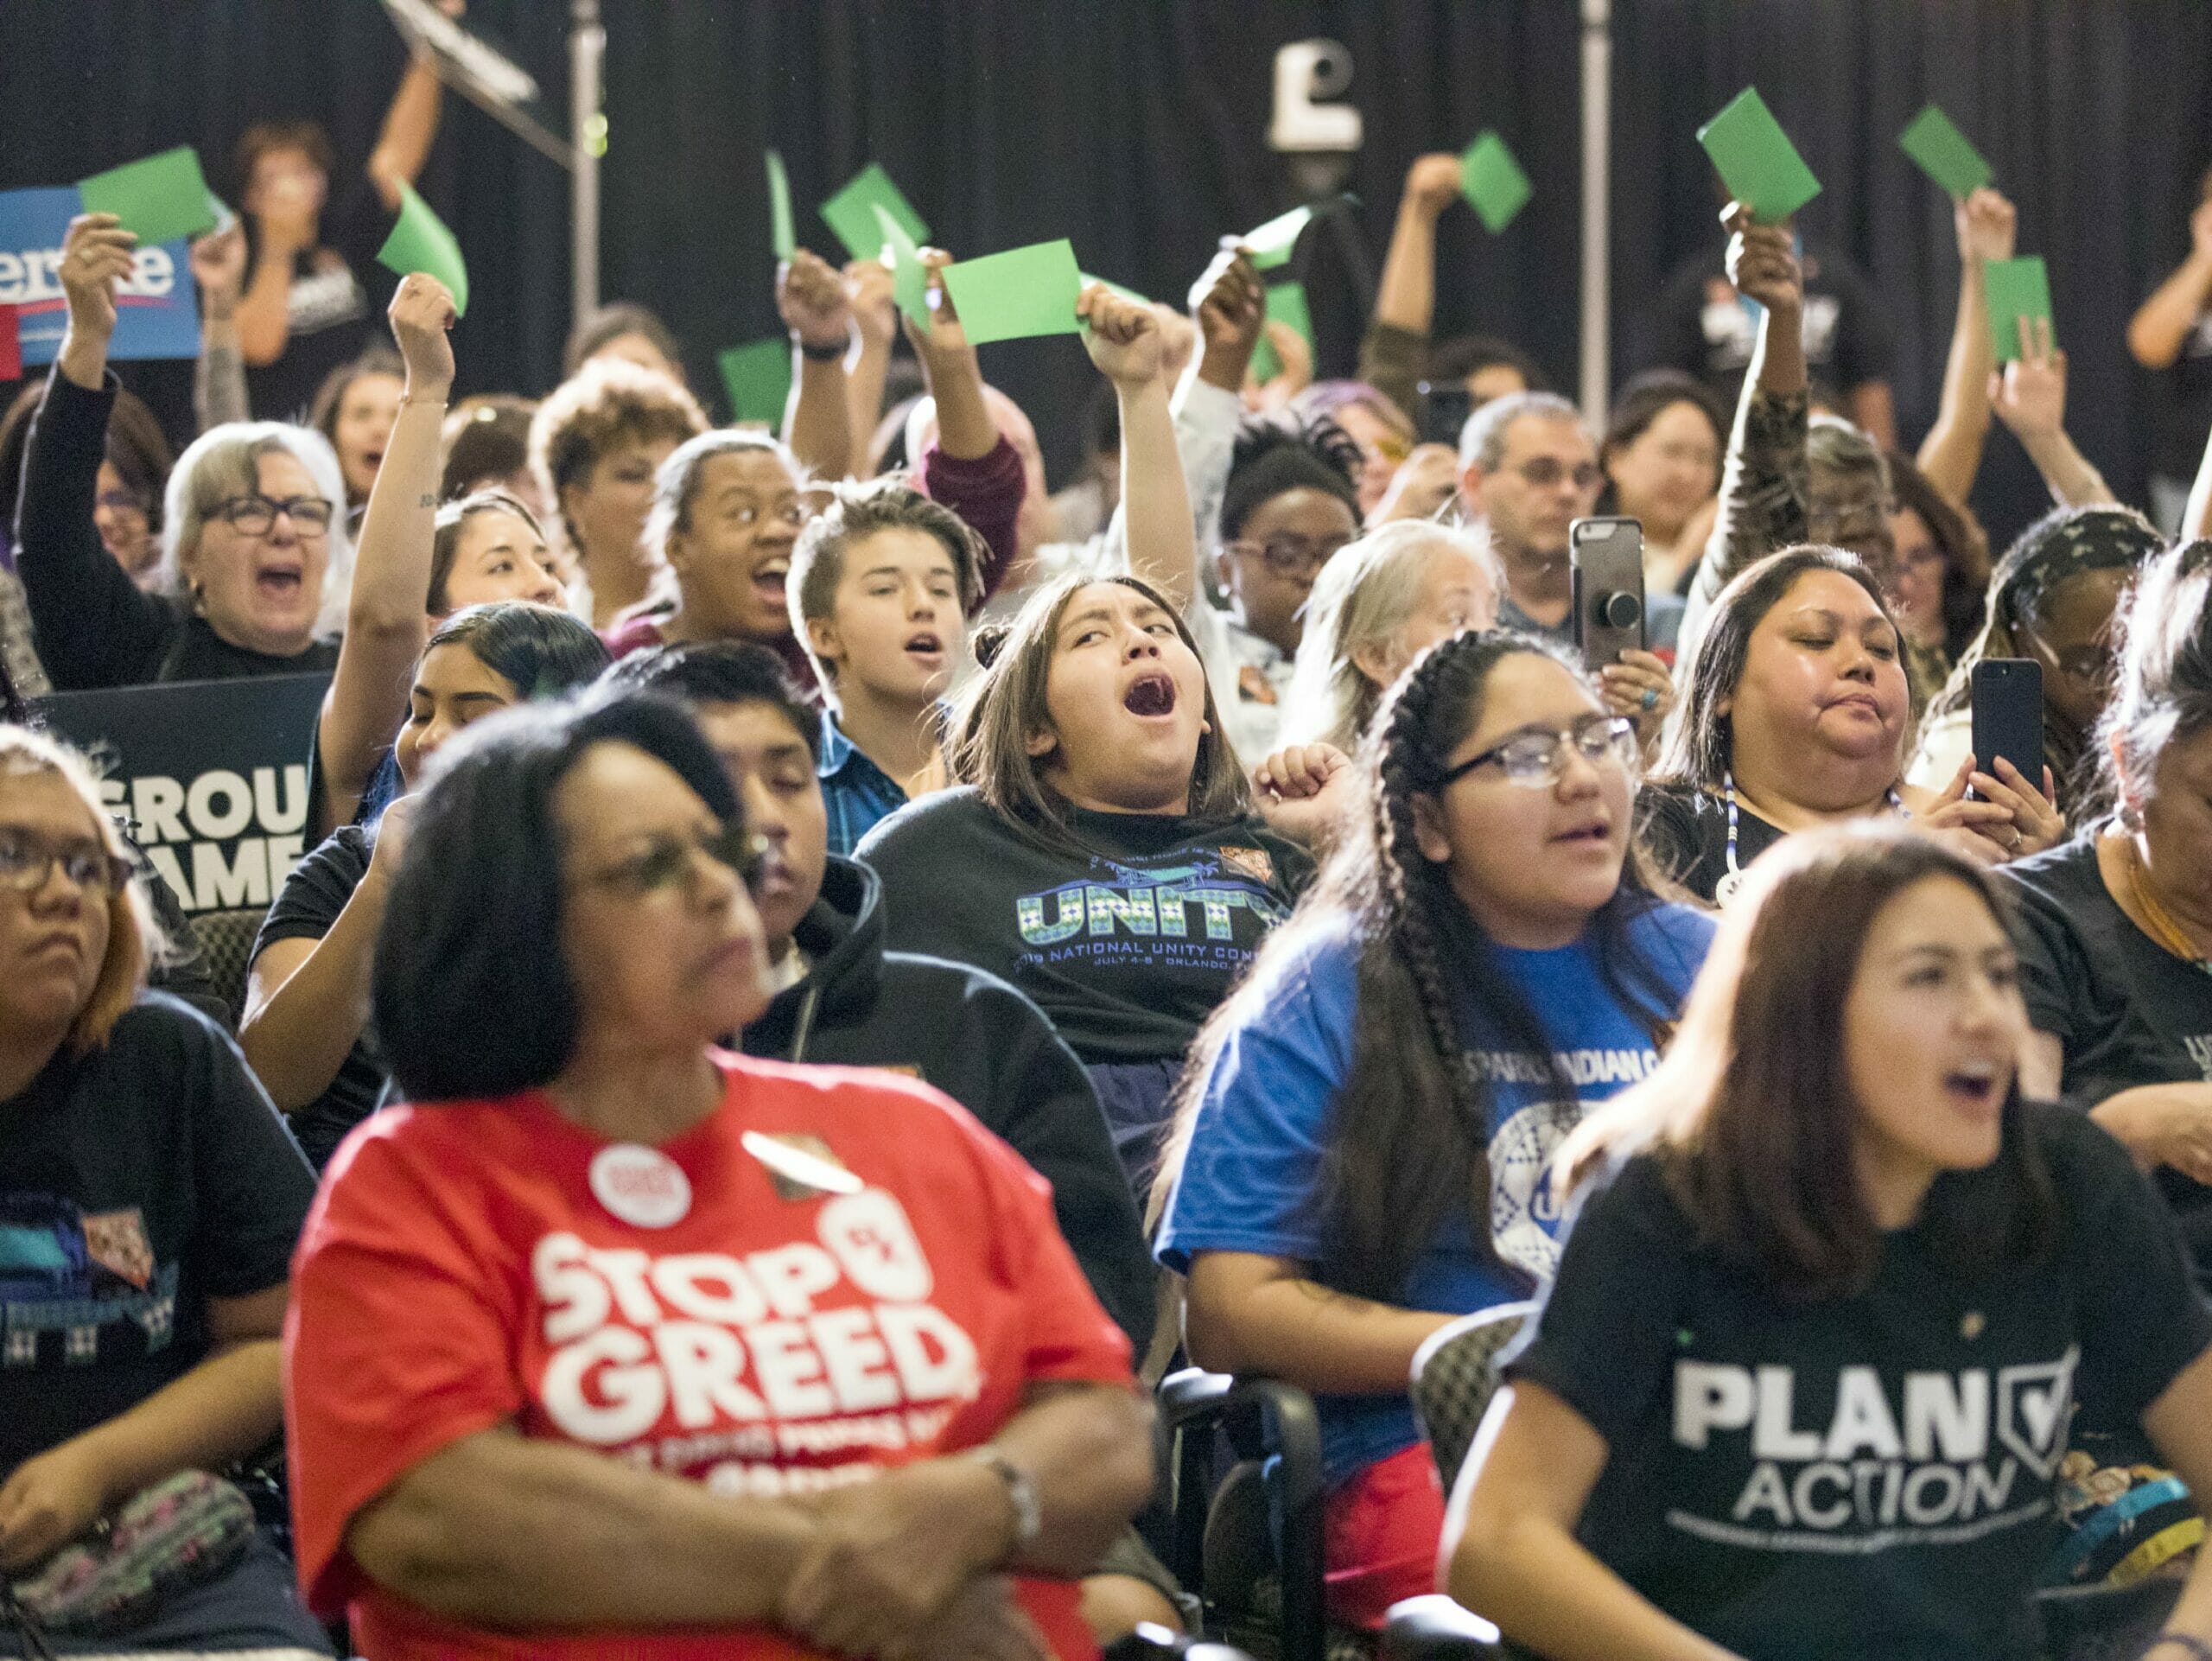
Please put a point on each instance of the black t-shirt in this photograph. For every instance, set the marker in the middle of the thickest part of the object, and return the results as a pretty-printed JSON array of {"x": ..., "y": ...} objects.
[
  {"x": 1705, "y": 329},
  {"x": 136, "y": 1183},
  {"x": 338, "y": 292},
  {"x": 1871, "y": 1475},
  {"x": 1128, "y": 942},
  {"x": 1687, "y": 830},
  {"x": 2182, "y": 412},
  {"x": 306, "y": 909},
  {"x": 2128, "y": 1011}
]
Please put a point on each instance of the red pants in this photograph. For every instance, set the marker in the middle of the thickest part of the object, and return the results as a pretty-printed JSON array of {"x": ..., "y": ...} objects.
[{"x": 1381, "y": 1529}]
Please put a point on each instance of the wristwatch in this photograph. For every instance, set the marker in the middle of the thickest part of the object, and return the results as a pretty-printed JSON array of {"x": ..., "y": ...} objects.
[
  {"x": 822, "y": 352},
  {"x": 1020, "y": 1492}
]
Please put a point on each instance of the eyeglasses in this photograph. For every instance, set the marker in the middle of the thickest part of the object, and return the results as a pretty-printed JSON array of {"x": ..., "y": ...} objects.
[
  {"x": 672, "y": 862},
  {"x": 26, "y": 860},
  {"x": 1544, "y": 473},
  {"x": 1536, "y": 760},
  {"x": 121, "y": 501},
  {"x": 1293, "y": 556},
  {"x": 255, "y": 516}
]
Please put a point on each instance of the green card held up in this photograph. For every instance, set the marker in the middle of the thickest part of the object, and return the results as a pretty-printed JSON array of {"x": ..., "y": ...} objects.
[
  {"x": 1756, "y": 159},
  {"x": 1285, "y": 304},
  {"x": 1491, "y": 179},
  {"x": 2016, "y": 289},
  {"x": 1272, "y": 243},
  {"x": 1130, "y": 294},
  {"x": 851, "y": 213},
  {"x": 781, "y": 236},
  {"x": 910, "y": 278},
  {"x": 1018, "y": 294},
  {"x": 1944, "y": 153},
  {"x": 161, "y": 197},
  {"x": 419, "y": 242},
  {"x": 758, "y": 378}
]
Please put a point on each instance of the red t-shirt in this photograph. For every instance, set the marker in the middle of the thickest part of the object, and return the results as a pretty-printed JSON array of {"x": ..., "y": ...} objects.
[{"x": 460, "y": 1270}]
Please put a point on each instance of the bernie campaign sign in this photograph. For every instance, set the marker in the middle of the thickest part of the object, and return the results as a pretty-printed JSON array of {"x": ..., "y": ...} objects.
[{"x": 158, "y": 310}]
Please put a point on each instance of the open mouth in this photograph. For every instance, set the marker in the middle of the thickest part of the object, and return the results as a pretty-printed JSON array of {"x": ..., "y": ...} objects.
[
  {"x": 1151, "y": 697},
  {"x": 279, "y": 582},
  {"x": 1974, "y": 1087},
  {"x": 925, "y": 644},
  {"x": 372, "y": 460},
  {"x": 768, "y": 580}
]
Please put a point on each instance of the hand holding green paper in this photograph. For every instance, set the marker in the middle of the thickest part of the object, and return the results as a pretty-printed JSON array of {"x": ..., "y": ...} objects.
[
  {"x": 419, "y": 242},
  {"x": 1944, "y": 153},
  {"x": 1271, "y": 244},
  {"x": 1286, "y": 305},
  {"x": 910, "y": 280},
  {"x": 851, "y": 213},
  {"x": 781, "y": 236},
  {"x": 1756, "y": 159},
  {"x": 1492, "y": 182},
  {"x": 2016, "y": 289},
  {"x": 160, "y": 198},
  {"x": 1017, "y": 295}
]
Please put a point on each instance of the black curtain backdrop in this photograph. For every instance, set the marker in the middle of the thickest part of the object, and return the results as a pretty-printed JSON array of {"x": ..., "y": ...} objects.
[{"x": 1137, "y": 127}]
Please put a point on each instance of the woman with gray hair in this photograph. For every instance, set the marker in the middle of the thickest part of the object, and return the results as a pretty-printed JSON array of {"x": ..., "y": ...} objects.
[{"x": 255, "y": 561}]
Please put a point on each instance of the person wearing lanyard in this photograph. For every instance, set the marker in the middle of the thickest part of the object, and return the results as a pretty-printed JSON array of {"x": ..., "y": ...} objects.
[{"x": 1795, "y": 713}]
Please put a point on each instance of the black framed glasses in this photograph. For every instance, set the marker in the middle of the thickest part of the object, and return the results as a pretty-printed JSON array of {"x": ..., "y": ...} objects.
[
  {"x": 1544, "y": 473},
  {"x": 673, "y": 861},
  {"x": 1293, "y": 556},
  {"x": 26, "y": 860},
  {"x": 255, "y": 516},
  {"x": 1536, "y": 760}
]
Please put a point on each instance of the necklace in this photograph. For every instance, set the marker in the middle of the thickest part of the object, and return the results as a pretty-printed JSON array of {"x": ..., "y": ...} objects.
[
  {"x": 1732, "y": 879},
  {"x": 2168, "y": 933}
]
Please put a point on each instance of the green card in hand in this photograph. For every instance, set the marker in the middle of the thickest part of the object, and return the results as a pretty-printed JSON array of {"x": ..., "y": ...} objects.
[
  {"x": 2016, "y": 289},
  {"x": 161, "y": 197},
  {"x": 1018, "y": 294},
  {"x": 1944, "y": 153},
  {"x": 1491, "y": 179},
  {"x": 758, "y": 378},
  {"x": 781, "y": 236},
  {"x": 419, "y": 242},
  {"x": 1757, "y": 161},
  {"x": 1271, "y": 244},
  {"x": 1285, "y": 304},
  {"x": 1130, "y": 294},
  {"x": 851, "y": 213},
  {"x": 910, "y": 278}
]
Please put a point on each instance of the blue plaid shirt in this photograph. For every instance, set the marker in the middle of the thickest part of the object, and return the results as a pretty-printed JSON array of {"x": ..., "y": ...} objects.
[{"x": 857, "y": 793}]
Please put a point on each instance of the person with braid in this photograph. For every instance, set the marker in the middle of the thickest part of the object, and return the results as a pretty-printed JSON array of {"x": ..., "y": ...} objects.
[{"x": 1362, "y": 1145}]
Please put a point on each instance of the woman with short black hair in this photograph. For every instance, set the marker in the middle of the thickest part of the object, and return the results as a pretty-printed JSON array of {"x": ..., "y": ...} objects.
[
  {"x": 1805, "y": 1376},
  {"x": 618, "y": 1340}
]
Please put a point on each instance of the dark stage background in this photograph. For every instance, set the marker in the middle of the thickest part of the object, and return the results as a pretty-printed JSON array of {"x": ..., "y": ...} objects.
[{"x": 1137, "y": 128}]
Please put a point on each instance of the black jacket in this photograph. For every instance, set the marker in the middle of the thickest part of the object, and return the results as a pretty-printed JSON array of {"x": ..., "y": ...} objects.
[{"x": 983, "y": 1044}]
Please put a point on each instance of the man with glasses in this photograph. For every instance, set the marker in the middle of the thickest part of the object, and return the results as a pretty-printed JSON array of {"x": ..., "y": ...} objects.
[{"x": 1528, "y": 469}]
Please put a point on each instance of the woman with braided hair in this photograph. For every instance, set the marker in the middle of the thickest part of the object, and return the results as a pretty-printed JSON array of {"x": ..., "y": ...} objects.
[{"x": 1365, "y": 1131}]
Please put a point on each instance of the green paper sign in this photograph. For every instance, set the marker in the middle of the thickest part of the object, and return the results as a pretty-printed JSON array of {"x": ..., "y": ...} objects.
[
  {"x": 851, "y": 213},
  {"x": 1944, "y": 153},
  {"x": 1271, "y": 244},
  {"x": 1285, "y": 304},
  {"x": 910, "y": 278},
  {"x": 1017, "y": 295},
  {"x": 758, "y": 378},
  {"x": 781, "y": 236},
  {"x": 2016, "y": 289},
  {"x": 1491, "y": 179},
  {"x": 1757, "y": 161},
  {"x": 419, "y": 242},
  {"x": 161, "y": 197}
]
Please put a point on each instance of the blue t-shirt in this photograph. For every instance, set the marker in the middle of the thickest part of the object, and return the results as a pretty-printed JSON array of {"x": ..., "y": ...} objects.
[{"x": 1255, "y": 1177}]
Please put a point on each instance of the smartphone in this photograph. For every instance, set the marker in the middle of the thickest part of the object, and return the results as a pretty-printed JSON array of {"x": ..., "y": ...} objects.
[
  {"x": 2006, "y": 697},
  {"x": 1445, "y": 407},
  {"x": 1606, "y": 558}
]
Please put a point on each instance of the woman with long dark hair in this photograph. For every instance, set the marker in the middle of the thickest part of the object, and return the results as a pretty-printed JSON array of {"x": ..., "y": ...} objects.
[
  {"x": 1804, "y": 1383},
  {"x": 1363, "y": 1139}
]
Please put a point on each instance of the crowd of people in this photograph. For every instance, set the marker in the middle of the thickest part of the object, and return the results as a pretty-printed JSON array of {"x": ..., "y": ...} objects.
[{"x": 821, "y": 971}]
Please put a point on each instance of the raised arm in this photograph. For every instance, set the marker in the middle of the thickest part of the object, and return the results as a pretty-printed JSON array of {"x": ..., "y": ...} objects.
[
  {"x": 817, "y": 310},
  {"x": 2162, "y": 323},
  {"x": 875, "y": 321},
  {"x": 973, "y": 468},
  {"x": 1394, "y": 354},
  {"x": 1125, "y": 341},
  {"x": 1951, "y": 454},
  {"x": 219, "y": 378},
  {"x": 410, "y": 125},
  {"x": 94, "y": 625},
  {"x": 386, "y": 621},
  {"x": 1765, "y": 483},
  {"x": 2029, "y": 397}
]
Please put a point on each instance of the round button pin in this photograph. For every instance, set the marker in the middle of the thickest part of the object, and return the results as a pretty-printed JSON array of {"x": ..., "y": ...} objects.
[{"x": 640, "y": 1184}]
